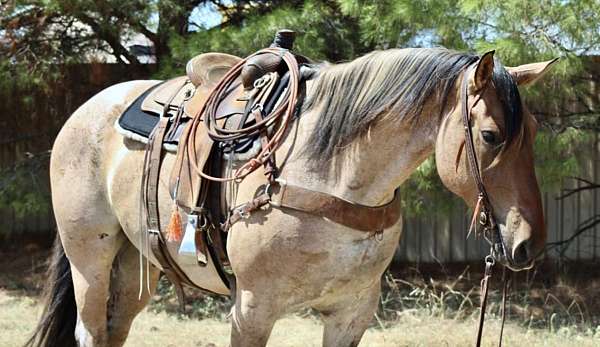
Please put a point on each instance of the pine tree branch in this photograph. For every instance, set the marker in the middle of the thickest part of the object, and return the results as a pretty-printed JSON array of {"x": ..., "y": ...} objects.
[
  {"x": 144, "y": 30},
  {"x": 114, "y": 41}
]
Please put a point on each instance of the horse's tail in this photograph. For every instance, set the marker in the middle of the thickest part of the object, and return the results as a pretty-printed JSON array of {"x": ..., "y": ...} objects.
[{"x": 57, "y": 324}]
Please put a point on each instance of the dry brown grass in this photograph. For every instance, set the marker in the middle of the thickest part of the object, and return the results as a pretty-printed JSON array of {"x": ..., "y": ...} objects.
[
  {"x": 18, "y": 315},
  {"x": 427, "y": 310}
]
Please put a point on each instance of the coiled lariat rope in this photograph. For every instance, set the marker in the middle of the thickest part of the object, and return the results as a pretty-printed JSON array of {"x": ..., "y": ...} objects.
[{"x": 280, "y": 118}]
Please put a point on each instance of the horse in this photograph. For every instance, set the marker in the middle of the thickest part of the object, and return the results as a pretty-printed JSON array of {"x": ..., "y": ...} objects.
[{"x": 363, "y": 127}]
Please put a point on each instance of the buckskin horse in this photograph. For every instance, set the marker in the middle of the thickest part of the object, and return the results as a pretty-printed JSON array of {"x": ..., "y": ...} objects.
[{"x": 363, "y": 128}]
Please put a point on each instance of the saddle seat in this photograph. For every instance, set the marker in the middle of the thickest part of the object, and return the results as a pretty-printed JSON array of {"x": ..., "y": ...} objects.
[{"x": 182, "y": 98}]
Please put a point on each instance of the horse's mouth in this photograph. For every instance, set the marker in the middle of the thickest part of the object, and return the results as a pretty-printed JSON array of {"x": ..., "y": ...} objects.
[
  {"x": 500, "y": 252},
  {"x": 507, "y": 261},
  {"x": 517, "y": 268}
]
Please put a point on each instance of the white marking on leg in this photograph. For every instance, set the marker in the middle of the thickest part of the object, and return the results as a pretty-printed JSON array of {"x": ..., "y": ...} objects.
[{"x": 82, "y": 335}]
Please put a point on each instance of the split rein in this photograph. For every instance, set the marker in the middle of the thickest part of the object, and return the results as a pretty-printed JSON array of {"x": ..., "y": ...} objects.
[
  {"x": 489, "y": 264},
  {"x": 483, "y": 211}
]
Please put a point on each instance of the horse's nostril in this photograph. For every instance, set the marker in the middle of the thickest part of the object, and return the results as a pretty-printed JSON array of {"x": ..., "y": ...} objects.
[{"x": 522, "y": 252}]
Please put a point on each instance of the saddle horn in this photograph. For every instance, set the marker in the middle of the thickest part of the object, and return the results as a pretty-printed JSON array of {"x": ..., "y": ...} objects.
[{"x": 262, "y": 64}]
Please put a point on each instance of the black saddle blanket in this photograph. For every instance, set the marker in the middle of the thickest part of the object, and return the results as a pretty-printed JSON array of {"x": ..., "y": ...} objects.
[{"x": 139, "y": 122}]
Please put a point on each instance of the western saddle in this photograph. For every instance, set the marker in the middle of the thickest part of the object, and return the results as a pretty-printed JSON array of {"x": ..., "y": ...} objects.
[{"x": 227, "y": 105}]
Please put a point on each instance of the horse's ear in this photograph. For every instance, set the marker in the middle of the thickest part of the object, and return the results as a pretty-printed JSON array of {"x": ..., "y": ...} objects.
[
  {"x": 484, "y": 70},
  {"x": 530, "y": 73}
]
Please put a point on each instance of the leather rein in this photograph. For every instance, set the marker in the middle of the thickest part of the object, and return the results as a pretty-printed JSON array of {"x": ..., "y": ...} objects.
[{"x": 483, "y": 210}]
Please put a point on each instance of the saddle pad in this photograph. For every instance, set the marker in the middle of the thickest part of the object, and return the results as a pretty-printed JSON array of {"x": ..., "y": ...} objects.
[
  {"x": 138, "y": 121},
  {"x": 137, "y": 124}
]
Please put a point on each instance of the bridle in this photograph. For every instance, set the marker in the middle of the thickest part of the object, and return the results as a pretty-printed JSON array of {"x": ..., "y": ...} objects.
[{"x": 483, "y": 211}]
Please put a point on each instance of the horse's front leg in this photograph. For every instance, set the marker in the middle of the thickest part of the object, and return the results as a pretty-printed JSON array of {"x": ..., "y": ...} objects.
[
  {"x": 347, "y": 319},
  {"x": 255, "y": 311}
]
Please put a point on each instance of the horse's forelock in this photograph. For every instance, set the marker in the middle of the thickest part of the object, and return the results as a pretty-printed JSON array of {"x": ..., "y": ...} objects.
[{"x": 510, "y": 99}]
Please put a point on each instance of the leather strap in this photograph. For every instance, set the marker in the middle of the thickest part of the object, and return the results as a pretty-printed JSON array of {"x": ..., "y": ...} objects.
[
  {"x": 484, "y": 210},
  {"x": 471, "y": 153},
  {"x": 161, "y": 254},
  {"x": 355, "y": 216},
  {"x": 156, "y": 240},
  {"x": 505, "y": 289},
  {"x": 483, "y": 207},
  {"x": 150, "y": 183},
  {"x": 489, "y": 263},
  {"x": 269, "y": 163}
]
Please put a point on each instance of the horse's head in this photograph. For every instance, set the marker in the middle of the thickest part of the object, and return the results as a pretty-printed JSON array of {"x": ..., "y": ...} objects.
[{"x": 503, "y": 133}]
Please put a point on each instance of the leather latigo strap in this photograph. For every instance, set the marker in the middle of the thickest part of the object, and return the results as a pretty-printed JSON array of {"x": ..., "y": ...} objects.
[{"x": 355, "y": 216}]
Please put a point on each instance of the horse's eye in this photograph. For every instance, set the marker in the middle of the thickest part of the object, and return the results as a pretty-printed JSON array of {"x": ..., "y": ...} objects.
[{"x": 488, "y": 137}]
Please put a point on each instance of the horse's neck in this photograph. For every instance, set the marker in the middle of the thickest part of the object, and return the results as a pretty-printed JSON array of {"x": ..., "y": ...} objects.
[{"x": 368, "y": 170}]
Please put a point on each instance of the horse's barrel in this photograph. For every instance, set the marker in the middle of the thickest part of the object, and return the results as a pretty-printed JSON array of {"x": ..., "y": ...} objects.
[{"x": 264, "y": 63}]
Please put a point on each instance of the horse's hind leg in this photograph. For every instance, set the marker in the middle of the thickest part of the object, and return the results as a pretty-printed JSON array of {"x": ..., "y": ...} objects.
[
  {"x": 124, "y": 304},
  {"x": 90, "y": 233},
  {"x": 347, "y": 320},
  {"x": 91, "y": 252}
]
